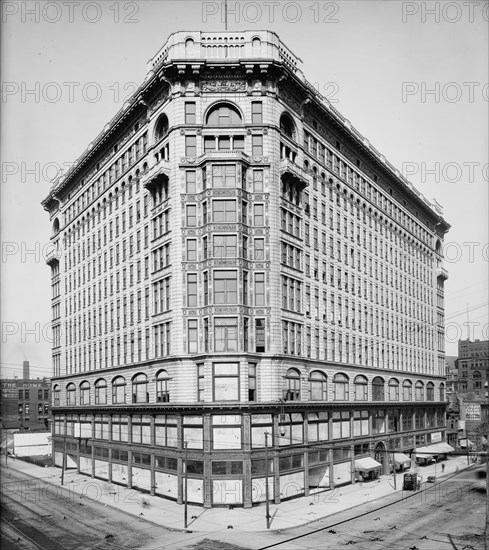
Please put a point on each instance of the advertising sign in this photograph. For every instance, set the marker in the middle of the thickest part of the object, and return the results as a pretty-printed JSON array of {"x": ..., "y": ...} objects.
[{"x": 472, "y": 411}]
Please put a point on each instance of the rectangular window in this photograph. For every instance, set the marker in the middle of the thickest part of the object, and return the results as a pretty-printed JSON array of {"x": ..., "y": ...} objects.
[
  {"x": 224, "y": 211},
  {"x": 191, "y": 215},
  {"x": 251, "y": 381},
  {"x": 192, "y": 290},
  {"x": 190, "y": 112},
  {"x": 260, "y": 335},
  {"x": 257, "y": 145},
  {"x": 190, "y": 177},
  {"x": 190, "y": 146},
  {"x": 258, "y": 215},
  {"x": 192, "y": 336},
  {"x": 258, "y": 181},
  {"x": 225, "y": 287},
  {"x": 225, "y": 334},
  {"x": 259, "y": 289},
  {"x": 226, "y": 381},
  {"x": 256, "y": 112},
  {"x": 224, "y": 175},
  {"x": 225, "y": 246},
  {"x": 191, "y": 250}
]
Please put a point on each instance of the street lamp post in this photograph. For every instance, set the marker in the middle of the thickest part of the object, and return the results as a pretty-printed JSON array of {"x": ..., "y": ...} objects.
[{"x": 267, "y": 499}]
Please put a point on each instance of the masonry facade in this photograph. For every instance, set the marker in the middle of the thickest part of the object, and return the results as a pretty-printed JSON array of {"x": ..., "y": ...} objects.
[{"x": 230, "y": 259}]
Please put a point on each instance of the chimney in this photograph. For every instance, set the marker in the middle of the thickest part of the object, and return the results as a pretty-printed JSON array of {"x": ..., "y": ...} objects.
[{"x": 26, "y": 370}]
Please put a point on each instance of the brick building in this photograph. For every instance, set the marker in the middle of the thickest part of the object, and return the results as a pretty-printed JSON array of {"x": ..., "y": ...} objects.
[
  {"x": 25, "y": 403},
  {"x": 232, "y": 258}
]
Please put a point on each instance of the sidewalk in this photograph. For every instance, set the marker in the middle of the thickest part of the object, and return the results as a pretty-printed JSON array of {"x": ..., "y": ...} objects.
[{"x": 168, "y": 514}]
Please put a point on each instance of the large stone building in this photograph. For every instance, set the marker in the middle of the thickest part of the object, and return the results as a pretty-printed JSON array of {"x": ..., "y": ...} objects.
[{"x": 232, "y": 258}]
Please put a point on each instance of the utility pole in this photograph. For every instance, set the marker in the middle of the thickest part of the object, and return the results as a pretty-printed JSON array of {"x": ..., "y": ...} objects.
[
  {"x": 225, "y": 15},
  {"x": 6, "y": 448},
  {"x": 394, "y": 469},
  {"x": 185, "y": 487},
  {"x": 63, "y": 464},
  {"x": 267, "y": 497}
]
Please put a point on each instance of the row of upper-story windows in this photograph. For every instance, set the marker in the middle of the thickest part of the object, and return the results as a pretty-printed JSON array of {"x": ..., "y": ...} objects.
[
  {"x": 328, "y": 158},
  {"x": 225, "y": 176},
  {"x": 341, "y": 385},
  {"x": 225, "y": 211},
  {"x": 226, "y": 387}
]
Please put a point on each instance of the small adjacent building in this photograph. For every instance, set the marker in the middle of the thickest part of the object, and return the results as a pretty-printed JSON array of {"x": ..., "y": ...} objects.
[{"x": 25, "y": 403}]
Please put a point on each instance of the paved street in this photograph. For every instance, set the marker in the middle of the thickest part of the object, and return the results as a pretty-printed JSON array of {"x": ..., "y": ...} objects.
[{"x": 42, "y": 514}]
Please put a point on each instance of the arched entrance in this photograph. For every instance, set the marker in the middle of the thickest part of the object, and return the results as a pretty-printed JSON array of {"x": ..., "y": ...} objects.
[{"x": 381, "y": 456}]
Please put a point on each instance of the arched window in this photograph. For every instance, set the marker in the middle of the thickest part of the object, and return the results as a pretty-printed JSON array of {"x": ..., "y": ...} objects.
[
  {"x": 140, "y": 389},
  {"x": 318, "y": 386},
  {"x": 419, "y": 391},
  {"x": 161, "y": 129},
  {"x": 361, "y": 388},
  {"x": 189, "y": 47},
  {"x": 85, "y": 393},
  {"x": 293, "y": 385},
  {"x": 378, "y": 389},
  {"x": 287, "y": 126},
  {"x": 430, "y": 391},
  {"x": 162, "y": 389},
  {"x": 476, "y": 375},
  {"x": 223, "y": 115},
  {"x": 340, "y": 384},
  {"x": 393, "y": 389},
  {"x": 118, "y": 390},
  {"x": 407, "y": 390},
  {"x": 100, "y": 392},
  {"x": 56, "y": 394},
  {"x": 442, "y": 391},
  {"x": 55, "y": 226},
  {"x": 71, "y": 394}
]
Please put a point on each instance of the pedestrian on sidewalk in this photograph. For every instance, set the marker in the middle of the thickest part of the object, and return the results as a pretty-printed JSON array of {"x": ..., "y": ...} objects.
[{"x": 443, "y": 468}]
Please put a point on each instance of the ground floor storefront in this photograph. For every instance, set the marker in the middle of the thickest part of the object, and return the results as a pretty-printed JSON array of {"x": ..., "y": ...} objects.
[{"x": 228, "y": 456}]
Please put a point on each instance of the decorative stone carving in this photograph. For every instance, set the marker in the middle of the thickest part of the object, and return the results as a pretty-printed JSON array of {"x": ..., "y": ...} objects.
[{"x": 223, "y": 86}]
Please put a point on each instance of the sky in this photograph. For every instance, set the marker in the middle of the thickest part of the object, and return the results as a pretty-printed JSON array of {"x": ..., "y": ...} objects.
[{"x": 412, "y": 77}]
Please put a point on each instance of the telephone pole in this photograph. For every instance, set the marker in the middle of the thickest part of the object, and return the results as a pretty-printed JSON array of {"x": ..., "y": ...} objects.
[{"x": 267, "y": 496}]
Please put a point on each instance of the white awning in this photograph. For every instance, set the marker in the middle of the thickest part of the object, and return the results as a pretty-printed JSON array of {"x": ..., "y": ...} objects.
[
  {"x": 435, "y": 449},
  {"x": 401, "y": 458},
  {"x": 366, "y": 464}
]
